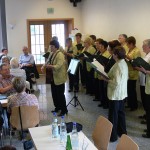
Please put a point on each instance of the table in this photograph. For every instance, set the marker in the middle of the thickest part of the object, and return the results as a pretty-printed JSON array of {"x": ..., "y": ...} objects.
[
  {"x": 42, "y": 139},
  {"x": 4, "y": 102}
]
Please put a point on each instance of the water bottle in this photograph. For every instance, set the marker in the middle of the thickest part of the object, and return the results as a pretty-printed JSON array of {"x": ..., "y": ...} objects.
[
  {"x": 55, "y": 131},
  {"x": 74, "y": 137},
  {"x": 63, "y": 131}
]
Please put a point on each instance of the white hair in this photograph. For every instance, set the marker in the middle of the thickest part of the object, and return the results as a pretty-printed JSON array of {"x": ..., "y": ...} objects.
[{"x": 14, "y": 62}]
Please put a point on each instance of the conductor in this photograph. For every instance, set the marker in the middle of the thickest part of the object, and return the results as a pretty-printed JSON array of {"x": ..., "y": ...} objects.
[{"x": 56, "y": 64}]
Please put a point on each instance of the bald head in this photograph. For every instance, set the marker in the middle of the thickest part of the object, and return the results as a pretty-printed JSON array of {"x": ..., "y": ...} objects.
[{"x": 25, "y": 50}]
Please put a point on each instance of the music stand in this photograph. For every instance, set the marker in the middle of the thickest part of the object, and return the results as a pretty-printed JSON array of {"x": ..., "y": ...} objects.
[{"x": 72, "y": 69}]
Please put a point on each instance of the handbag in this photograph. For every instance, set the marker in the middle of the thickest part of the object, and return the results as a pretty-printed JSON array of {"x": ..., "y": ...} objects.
[{"x": 28, "y": 144}]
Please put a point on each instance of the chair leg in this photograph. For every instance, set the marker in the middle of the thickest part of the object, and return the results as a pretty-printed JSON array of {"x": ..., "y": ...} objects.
[
  {"x": 1, "y": 137},
  {"x": 10, "y": 137}
]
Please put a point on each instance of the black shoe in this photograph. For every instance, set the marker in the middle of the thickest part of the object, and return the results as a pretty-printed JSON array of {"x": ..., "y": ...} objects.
[
  {"x": 133, "y": 109},
  {"x": 55, "y": 110},
  {"x": 62, "y": 114},
  {"x": 70, "y": 90},
  {"x": 100, "y": 105},
  {"x": 141, "y": 117},
  {"x": 113, "y": 140},
  {"x": 76, "y": 91},
  {"x": 143, "y": 122},
  {"x": 87, "y": 93},
  {"x": 95, "y": 99},
  {"x": 105, "y": 107},
  {"x": 145, "y": 135}
]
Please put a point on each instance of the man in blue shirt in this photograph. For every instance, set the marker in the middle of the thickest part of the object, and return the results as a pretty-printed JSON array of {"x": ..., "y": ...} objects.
[{"x": 26, "y": 62}]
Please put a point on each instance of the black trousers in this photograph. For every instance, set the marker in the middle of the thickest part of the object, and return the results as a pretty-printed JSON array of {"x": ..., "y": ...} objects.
[
  {"x": 82, "y": 68},
  {"x": 58, "y": 95},
  {"x": 132, "y": 95},
  {"x": 96, "y": 88},
  {"x": 28, "y": 71},
  {"x": 116, "y": 116},
  {"x": 103, "y": 93},
  {"x": 143, "y": 96},
  {"x": 90, "y": 82},
  {"x": 147, "y": 102}
]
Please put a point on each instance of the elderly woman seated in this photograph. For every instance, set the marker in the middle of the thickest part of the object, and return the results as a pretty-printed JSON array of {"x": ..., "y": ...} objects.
[
  {"x": 5, "y": 59},
  {"x": 21, "y": 98},
  {"x": 15, "y": 70}
]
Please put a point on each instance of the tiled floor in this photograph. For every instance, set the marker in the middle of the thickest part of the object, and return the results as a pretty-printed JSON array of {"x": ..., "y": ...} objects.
[{"x": 87, "y": 117}]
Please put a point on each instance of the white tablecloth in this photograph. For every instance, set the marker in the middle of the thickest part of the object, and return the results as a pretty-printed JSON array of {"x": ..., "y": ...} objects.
[{"x": 42, "y": 138}]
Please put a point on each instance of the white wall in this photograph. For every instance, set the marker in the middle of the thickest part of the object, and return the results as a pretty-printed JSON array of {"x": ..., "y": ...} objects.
[
  {"x": 18, "y": 11},
  {"x": 108, "y": 18}
]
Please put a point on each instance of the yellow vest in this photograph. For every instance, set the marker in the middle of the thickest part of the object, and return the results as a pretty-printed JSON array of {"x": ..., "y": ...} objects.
[
  {"x": 90, "y": 50},
  {"x": 133, "y": 74},
  {"x": 126, "y": 48},
  {"x": 107, "y": 55}
]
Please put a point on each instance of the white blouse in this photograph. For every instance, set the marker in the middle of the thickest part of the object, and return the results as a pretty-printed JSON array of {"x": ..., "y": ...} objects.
[{"x": 117, "y": 85}]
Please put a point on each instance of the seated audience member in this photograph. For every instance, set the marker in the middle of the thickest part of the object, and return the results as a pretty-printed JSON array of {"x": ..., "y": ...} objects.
[
  {"x": 5, "y": 59},
  {"x": 6, "y": 81},
  {"x": 15, "y": 70},
  {"x": 133, "y": 53},
  {"x": 26, "y": 62},
  {"x": 8, "y": 147},
  {"x": 21, "y": 98},
  {"x": 4, "y": 53},
  {"x": 117, "y": 92}
]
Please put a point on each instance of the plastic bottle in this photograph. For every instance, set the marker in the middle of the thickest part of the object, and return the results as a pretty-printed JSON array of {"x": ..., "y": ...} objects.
[
  {"x": 74, "y": 137},
  {"x": 63, "y": 131},
  {"x": 55, "y": 132}
]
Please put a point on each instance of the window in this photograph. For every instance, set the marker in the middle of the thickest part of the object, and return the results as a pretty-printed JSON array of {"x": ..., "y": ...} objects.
[
  {"x": 58, "y": 30},
  {"x": 37, "y": 43}
]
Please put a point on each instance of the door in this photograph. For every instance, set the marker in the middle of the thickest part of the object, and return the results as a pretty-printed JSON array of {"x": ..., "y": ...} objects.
[{"x": 40, "y": 33}]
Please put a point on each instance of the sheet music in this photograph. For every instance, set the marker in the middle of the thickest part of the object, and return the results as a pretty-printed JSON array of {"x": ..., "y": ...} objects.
[
  {"x": 99, "y": 68},
  {"x": 73, "y": 66}
]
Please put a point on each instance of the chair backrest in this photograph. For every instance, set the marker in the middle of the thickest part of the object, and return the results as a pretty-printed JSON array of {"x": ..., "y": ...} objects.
[
  {"x": 126, "y": 143},
  {"x": 29, "y": 116},
  {"x": 101, "y": 133}
]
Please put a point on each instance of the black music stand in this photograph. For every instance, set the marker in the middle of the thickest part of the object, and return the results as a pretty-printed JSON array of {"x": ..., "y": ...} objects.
[{"x": 72, "y": 69}]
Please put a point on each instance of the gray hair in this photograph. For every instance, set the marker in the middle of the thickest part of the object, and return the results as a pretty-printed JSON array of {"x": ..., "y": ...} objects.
[
  {"x": 19, "y": 84},
  {"x": 2, "y": 64},
  {"x": 147, "y": 42},
  {"x": 4, "y": 57},
  {"x": 14, "y": 62}
]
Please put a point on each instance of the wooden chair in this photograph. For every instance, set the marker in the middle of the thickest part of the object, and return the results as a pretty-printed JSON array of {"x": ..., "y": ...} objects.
[
  {"x": 126, "y": 143},
  {"x": 29, "y": 118},
  {"x": 101, "y": 133}
]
